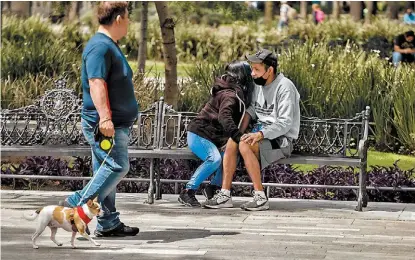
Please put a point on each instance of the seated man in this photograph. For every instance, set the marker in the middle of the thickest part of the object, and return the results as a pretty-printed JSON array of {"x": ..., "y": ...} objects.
[
  {"x": 409, "y": 17},
  {"x": 276, "y": 108},
  {"x": 404, "y": 48}
]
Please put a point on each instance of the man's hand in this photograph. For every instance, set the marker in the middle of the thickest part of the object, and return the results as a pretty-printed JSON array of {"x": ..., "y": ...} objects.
[
  {"x": 252, "y": 138},
  {"x": 106, "y": 127}
]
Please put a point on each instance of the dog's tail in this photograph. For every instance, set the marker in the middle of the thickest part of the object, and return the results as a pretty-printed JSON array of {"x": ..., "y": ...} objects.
[{"x": 32, "y": 216}]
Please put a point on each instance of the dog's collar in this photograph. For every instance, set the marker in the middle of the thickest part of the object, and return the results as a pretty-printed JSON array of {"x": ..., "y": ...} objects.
[{"x": 82, "y": 215}]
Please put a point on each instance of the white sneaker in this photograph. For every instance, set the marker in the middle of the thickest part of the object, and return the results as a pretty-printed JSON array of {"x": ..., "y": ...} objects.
[
  {"x": 220, "y": 200},
  {"x": 260, "y": 202}
]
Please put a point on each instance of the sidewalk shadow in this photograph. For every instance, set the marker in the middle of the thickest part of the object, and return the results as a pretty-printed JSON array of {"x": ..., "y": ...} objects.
[{"x": 173, "y": 235}]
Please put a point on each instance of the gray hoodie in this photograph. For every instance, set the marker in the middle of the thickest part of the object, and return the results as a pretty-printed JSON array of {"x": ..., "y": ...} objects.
[{"x": 276, "y": 108}]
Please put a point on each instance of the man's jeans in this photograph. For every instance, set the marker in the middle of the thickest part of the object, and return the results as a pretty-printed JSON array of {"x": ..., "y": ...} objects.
[
  {"x": 397, "y": 57},
  {"x": 212, "y": 161},
  {"x": 108, "y": 170}
]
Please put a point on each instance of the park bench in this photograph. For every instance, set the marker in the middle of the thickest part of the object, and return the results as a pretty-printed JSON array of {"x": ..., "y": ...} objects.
[{"x": 51, "y": 127}]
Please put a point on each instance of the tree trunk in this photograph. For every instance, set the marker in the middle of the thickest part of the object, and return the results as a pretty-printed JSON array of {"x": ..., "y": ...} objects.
[
  {"x": 5, "y": 7},
  {"x": 303, "y": 10},
  {"x": 356, "y": 10},
  {"x": 336, "y": 10},
  {"x": 393, "y": 10},
  {"x": 74, "y": 11},
  {"x": 142, "y": 49},
  {"x": 268, "y": 12},
  {"x": 370, "y": 7},
  {"x": 169, "y": 53}
]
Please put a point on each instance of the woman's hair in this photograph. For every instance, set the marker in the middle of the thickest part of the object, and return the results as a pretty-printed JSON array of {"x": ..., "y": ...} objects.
[
  {"x": 315, "y": 6},
  {"x": 239, "y": 72}
]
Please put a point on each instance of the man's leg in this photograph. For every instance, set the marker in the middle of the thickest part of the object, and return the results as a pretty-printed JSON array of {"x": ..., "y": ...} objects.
[
  {"x": 109, "y": 224},
  {"x": 250, "y": 154},
  {"x": 396, "y": 58},
  {"x": 108, "y": 170},
  {"x": 230, "y": 159}
]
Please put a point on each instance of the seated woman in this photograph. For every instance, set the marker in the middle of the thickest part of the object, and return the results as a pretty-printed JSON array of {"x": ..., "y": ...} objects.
[{"x": 218, "y": 121}]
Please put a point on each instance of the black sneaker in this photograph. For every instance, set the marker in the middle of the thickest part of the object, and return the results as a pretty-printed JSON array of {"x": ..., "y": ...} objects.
[
  {"x": 187, "y": 198},
  {"x": 210, "y": 190},
  {"x": 121, "y": 231}
]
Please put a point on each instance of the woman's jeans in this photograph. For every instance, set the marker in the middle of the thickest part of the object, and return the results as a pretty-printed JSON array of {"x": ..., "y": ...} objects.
[
  {"x": 212, "y": 161},
  {"x": 108, "y": 170}
]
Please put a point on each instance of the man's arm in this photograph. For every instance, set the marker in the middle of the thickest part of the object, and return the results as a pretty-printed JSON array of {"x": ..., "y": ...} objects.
[
  {"x": 98, "y": 63},
  {"x": 403, "y": 51},
  {"x": 99, "y": 95}
]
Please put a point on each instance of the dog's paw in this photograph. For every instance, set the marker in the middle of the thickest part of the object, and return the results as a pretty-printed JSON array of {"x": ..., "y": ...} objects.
[
  {"x": 35, "y": 247},
  {"x": 59, "y": 244},
  {"x": 96, "y": 244},
  {"x": 73, "y": 247}
]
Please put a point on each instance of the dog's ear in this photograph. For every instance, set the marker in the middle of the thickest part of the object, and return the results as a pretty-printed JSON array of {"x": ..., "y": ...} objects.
[
  {"x": 96, "y": 199},
  {"x": 89, "y": 203}
]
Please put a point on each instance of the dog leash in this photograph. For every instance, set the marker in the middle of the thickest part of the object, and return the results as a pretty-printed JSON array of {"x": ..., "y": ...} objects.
[{"x": 96, "y": 173}]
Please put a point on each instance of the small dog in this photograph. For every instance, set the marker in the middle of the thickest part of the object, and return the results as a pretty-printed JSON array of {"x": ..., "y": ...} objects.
[{"x": 71, "y": 219}]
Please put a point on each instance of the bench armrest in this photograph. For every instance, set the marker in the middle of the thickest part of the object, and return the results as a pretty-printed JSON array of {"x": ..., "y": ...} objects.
[{"x": 363, "y": 147}]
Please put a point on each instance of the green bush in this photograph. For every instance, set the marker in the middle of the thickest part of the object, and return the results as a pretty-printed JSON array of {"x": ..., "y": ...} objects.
[
  {"x": 340, "y": 82},
  {"x": 30, "y": 47}
]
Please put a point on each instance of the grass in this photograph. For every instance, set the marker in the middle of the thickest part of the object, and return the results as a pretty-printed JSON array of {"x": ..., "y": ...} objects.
[
  {"x": 156, "y": 68},
  {"x": 378, "y": 159}
]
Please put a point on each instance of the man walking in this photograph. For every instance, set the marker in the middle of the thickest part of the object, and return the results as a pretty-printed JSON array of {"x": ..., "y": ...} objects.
[{"x": 109, "y": 109}]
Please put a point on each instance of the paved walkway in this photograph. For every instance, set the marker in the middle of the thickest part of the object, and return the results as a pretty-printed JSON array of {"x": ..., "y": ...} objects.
[{"x": 292, "y": 229}]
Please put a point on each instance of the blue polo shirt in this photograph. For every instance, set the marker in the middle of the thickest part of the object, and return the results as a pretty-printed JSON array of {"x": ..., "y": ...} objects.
[{"x": 103, "y": 59}]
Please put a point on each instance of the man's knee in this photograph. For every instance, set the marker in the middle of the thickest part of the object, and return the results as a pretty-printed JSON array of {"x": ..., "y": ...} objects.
[{"x": 244, "y": 148}]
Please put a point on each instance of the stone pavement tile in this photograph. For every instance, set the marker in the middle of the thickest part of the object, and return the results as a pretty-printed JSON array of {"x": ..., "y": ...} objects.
[
  {"x": 309, "y": 221},
  {"x": 355, "y": 242},
  {"x": 297, "y": 230},
  {"x": 259, "y": 254},
  {"x": 367, "y": 255}
]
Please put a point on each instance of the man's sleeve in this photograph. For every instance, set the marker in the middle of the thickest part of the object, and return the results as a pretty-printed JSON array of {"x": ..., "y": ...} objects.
[
  {"x": 284, "y": 119},
  {"x": 98, "y": 62}
]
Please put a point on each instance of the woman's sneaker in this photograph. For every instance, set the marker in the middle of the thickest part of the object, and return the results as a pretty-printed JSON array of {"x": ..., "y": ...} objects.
[
  {"x": 210, "y": 190},
  {"x": 260, "y": 202},
  {"x": 219, "y": 200},
  {"x": 187, "y": 197}
]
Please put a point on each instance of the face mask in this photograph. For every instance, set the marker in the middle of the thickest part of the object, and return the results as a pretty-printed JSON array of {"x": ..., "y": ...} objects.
[{"x": 260, "y": 80}]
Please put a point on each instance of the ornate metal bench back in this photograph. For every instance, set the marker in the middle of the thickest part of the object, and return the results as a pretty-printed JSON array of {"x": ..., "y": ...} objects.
[
  {"x": 332, "y": 137},
  {"x": 53, "y": 119},
  {"x": 173, "y": 127}
]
